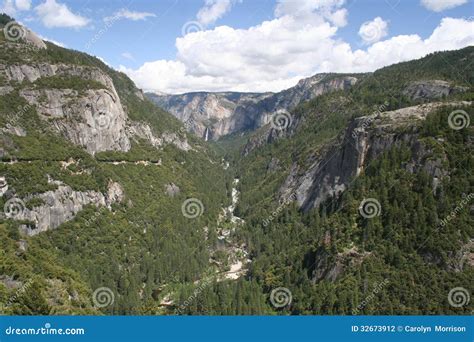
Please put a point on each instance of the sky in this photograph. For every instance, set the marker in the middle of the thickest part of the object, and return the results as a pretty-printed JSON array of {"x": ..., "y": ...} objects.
[{"x": 178, "y": 46}]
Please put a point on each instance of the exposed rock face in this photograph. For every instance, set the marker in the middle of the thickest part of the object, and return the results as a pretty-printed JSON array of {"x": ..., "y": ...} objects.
[
  {"x": 62, "y": 205},
  {"x": 208, "y": 115},
  {"x": 93, "y": 118},
  {"x": 14, "y": 130},
  {"x": 144, "y": 131},
  {"x": 322, "y": 266},
  {"x": 5, "y": 90},
  {"x": 431, "y": 89},
  {"x": 365, "y": 139},
  {"x": 172, "y": 189},
  {"x": 9, "y": 282},
  {"x": 212, "y": 115},
  {"x": 266, "y": 136},
  {"x": 32, "y": 39},
  {"x": 32, "y": 72}
]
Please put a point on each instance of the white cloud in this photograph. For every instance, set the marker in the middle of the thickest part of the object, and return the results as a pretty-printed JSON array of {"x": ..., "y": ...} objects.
[
  {"x": 441, "y": 5},
  {"x": 130, "y": 15},
  {"x": 11, "y": 7},
  {"x": 315, "y": 10},
  {"x": 103, "y": 61},
  {"x": 53, "y": 14},
  {"x": 52, "y": 41},
  {"x": 127, "y": 55},
  {"x": 8, "y": 7},
  {"x": 277, "y": 53},
  {"x": 373, "y": 31},
  {"x": 23, "y": 5},
  {"x": 214, "y": 10}
]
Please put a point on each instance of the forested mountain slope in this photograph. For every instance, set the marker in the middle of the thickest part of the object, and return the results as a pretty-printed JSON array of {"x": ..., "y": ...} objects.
[
  {"x": 367, "y": 190},
  {"x": 94, "y": 178}
]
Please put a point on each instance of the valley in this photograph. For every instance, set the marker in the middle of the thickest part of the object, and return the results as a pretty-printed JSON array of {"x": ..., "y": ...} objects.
[{"x": 207, "y": 203}]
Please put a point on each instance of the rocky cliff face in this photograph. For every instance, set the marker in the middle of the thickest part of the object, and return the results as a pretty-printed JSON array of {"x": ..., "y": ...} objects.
[
  {"x": 208, "y": 115},
  {"x": 58, "y": 206},
  {"x": 365, "y": 138},
  {"x": 212, "y": 115},
  {"x": 431, "y": 89},
  {"x": 93, "y": 118}
]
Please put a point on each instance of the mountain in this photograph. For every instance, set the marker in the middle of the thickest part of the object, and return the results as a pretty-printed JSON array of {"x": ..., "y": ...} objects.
[
  {"x": 94, "y": 179},
  {"x": 368, "y": 189},
  {"x": 213, "y": 115},
  {"x": 352, "y": 194}
]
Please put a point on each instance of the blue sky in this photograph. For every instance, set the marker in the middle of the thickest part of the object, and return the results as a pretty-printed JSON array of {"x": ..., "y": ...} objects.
[{"x": 250, "y": 52}]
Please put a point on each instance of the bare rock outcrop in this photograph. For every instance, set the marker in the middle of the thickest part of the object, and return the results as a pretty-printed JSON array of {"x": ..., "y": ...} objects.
[
  {"x": 321, "y": 265},
  {"x": 366, "y": 138},
  {"x": 61, "y": 205},
  {"x": 213, "y": 115},
  {"x": 432, "y": 89}
]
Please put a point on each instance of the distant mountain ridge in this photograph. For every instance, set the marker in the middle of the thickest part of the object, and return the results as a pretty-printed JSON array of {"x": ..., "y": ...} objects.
[{"x": 213, "y": 115}]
